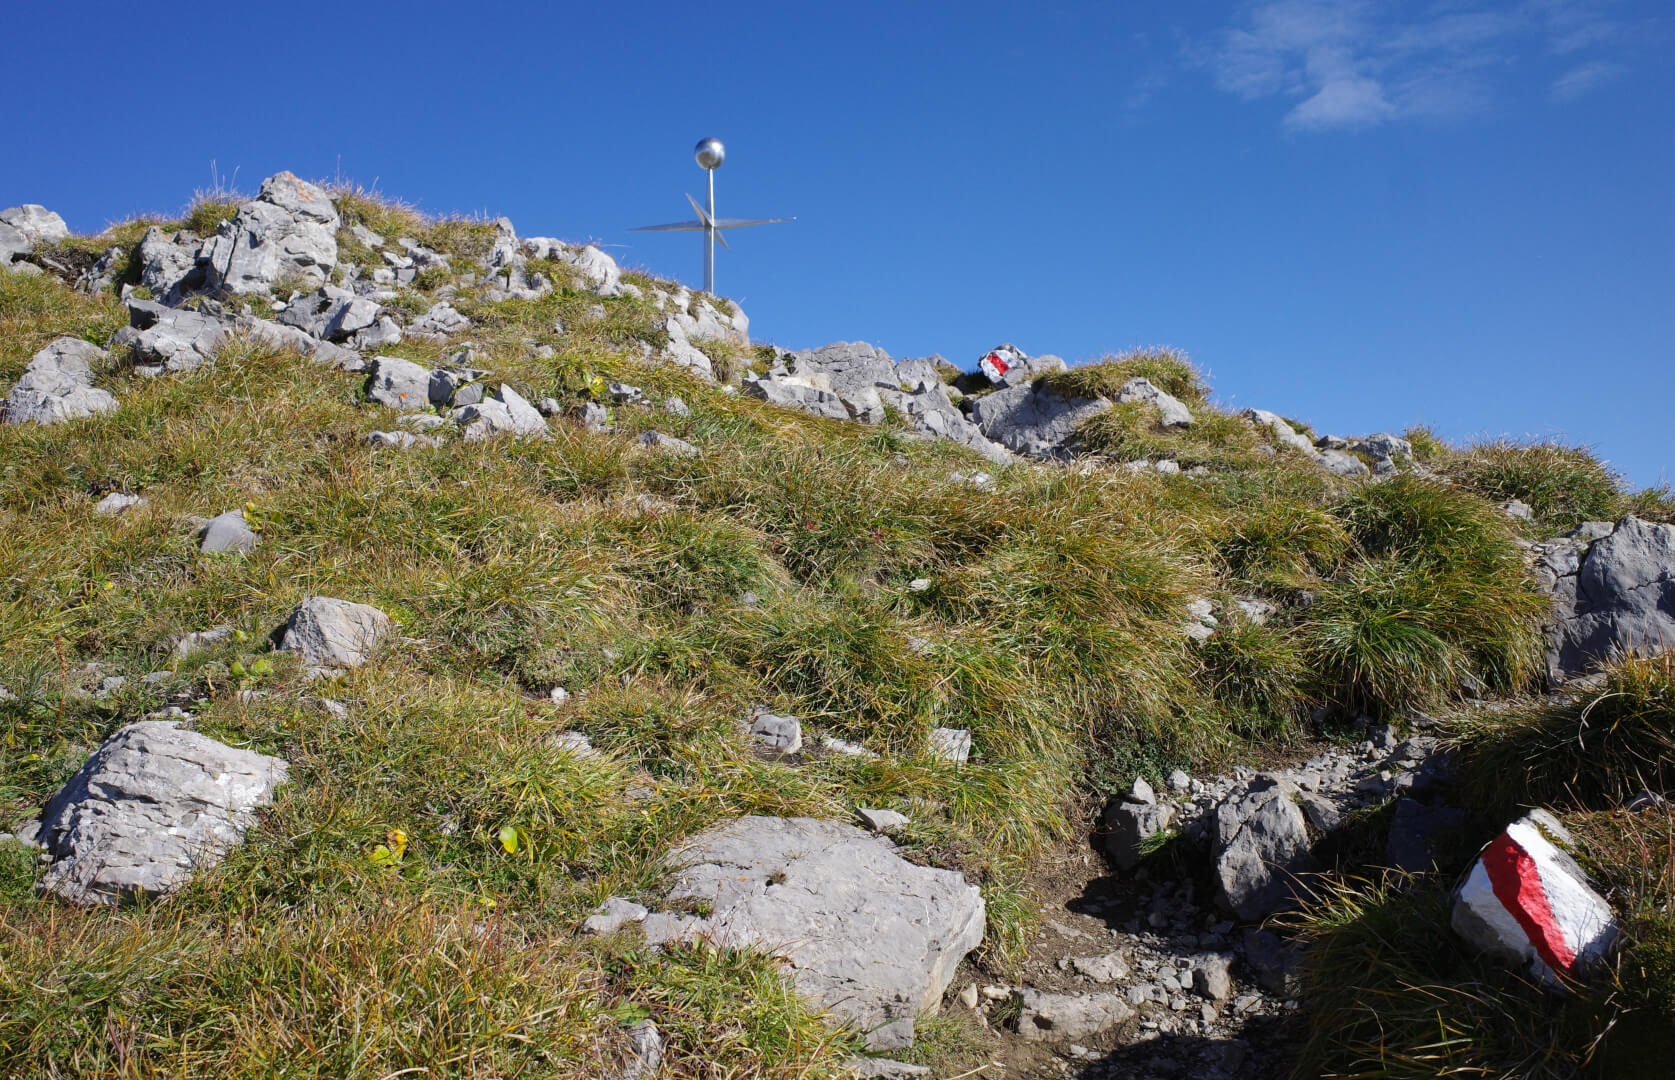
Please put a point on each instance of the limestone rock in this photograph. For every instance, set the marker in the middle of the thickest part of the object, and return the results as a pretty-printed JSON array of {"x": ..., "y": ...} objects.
[
  {"x": 173, "y": 339},
  {"x": 1171, "y": 413},
  {"x": 289, "y": 228},
  {"x": 810, "y": 399},
  {"x": 57, "y": 386},
  {"x": 1526, "y": 901},
  {"x": 199, "y": 640},
  {"x": 398, "y": 383},
  {"x": 1342, "y": 463},
  {"x": 168, "y": 265},
  {"x": 506, "y": 413},
  {"x": 603, "y": 276},
  {"x": 1033, "y": 419},
  {"x": 777, "y": 734},
  {"x": 1008, "y": 365},
  {"x": 401, "y": 440},
  {"x": 1283, "y": 432},
  {"x": 439, "y": 321},
  {"x": 951, "y": 744},
  {"x": 1109, "y": 968},
  {"x": 666, "y": 444},
  {"x": 876, "y": 1068},
  {"x": 152, "y": 804},
  {"x": 1045, "y": 1017},
  {"x": 14, "y": 244},
  {"x": 1129, "y": 824},
  {"x": 335, "y": 633},
  {"x": 36, "y": 222},
  {"x": 881, "y": 821},
  {"x": 117, "y": 502},
  {"x": 227, "y": 533},
  {"x": 1262, "y": 844},
  {"x": 1621, "y": 600},
  {"x": 611, "y": 916},
  {"x": 867, "y": 935},
  {"x": 276, "y": 336}
]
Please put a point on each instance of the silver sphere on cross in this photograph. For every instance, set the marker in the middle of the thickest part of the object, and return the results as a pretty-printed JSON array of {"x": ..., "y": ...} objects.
[{"x": 710, "y": 153}]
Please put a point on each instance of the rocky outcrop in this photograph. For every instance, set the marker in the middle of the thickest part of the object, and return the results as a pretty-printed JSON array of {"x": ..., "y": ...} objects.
[
  {"x": 288, "y": 229},
  {"x": 1046, "y": 1017},
  {"x": 165, "y": 340},
  {"x": 152, "y": 804},
  {"x": 868, "y": 936},
  {"x": 1034, "y": 419},
  {"x": 856, "y": 381},
  {"x": 57, "y": 386},
  {"x": 1613, "y": 589}
]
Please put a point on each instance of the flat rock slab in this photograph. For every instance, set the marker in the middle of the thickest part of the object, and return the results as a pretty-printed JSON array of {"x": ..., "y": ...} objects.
[
  {"x": 1045, "y": 1017},
  {"x": 868, "y": 936},
  {"x": 151, "y": 805}
]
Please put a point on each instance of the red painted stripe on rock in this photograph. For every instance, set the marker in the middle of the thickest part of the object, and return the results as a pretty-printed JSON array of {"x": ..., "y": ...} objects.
[
  {"x": 1000, "y": 365},
  {"x": 1517, "y": 884}
]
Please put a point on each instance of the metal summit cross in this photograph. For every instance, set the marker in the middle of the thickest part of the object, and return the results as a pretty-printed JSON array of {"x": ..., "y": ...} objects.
[{"x": 710, "y": 154}]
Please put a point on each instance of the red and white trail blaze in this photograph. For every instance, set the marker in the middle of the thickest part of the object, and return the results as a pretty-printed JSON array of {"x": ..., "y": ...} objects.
[{"x": 1528, "y": 900}]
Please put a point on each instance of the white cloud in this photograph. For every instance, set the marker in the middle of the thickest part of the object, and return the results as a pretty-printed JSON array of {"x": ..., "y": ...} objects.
[
  {"x": 1353, "y": 64},
  {"x": 1348, "y": 102},
  {"x": 1580, "y": 80}
]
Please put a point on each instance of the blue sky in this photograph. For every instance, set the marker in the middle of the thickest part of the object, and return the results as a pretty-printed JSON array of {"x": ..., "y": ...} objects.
[{"x": 1363, "y": 214}]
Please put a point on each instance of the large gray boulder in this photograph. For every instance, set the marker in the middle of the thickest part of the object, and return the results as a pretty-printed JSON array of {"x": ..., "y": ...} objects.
[
  {"x": 36, "y": 222},
  {"x": 1262, "y": 846},
  {"x": 335, "y": 633},
  {"x": 152, "y": 804},
  {"x": 601, "y": 272},
  {"x": 855, "y": 371},
  {"x": 1034, "y": 418},
  {"x": 868, "y": 936},
  {"x": 1619, "y": 601},
  {"x": 289, "y": 228},
  {"x": 57, "y": 386},
  {"x": 331, "y": 314}
]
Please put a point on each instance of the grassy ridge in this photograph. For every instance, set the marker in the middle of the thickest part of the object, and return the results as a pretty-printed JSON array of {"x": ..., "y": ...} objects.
[{"x": 669, "y": 595}]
